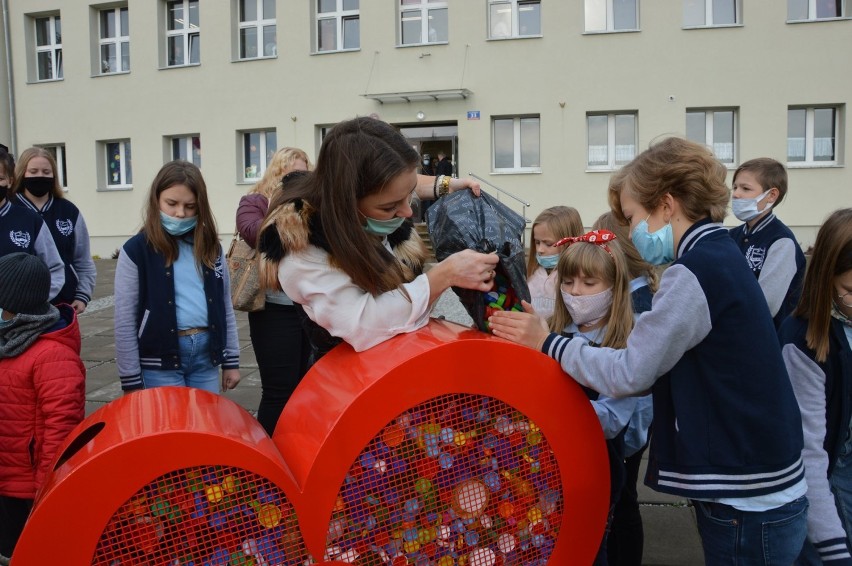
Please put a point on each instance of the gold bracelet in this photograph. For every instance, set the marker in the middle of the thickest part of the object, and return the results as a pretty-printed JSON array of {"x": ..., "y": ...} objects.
[{"x": 445, "y": 186}]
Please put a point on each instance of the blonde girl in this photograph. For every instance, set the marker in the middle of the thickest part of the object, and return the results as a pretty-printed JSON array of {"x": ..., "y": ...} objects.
[
  {"x": 174, "y": 323},
  {"x": 595, "y": 307},
  {"x": 549, "y": 226},
  {"x": 280, "y": 345},
  {"x": 32, "y": 236},
  {"x": 37, "y": 188}
]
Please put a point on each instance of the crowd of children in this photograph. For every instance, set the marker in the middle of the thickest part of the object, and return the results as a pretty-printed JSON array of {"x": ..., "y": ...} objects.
[{"x": 654, "y": 312}]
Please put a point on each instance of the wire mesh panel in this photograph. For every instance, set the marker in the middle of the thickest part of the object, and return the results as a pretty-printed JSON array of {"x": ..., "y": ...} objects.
[
  {"x": 461, "y": 480},
  {"x": 204, "y": 516}
]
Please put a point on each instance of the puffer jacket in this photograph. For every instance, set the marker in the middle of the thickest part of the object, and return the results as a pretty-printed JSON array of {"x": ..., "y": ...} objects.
[{"x": 42, "y": 398}]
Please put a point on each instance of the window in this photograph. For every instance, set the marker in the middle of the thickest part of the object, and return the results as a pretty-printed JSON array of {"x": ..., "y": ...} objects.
[
  {"x": 812, "y": 135},
  {"x": 183, "y": 43},
  {"x": 715, "y": 128},
  {"x": 705, "y": 13},
  {"x": 257, "y": 29},
  {"x": 612, "y": 15},
  {"x": 514, "y": 18},
  {"x": 612, "y": 140},
  {"x": 258, "y": 148},
  {"x": 58, "y": 152},
  {"x": 48, "y": 33},
  {"x": 338, "y": 25},
  {"x": 423, "y": 21},
  {"x": 114, "y": 40},
  {"x": 187, "y": 148},
  {"x": 117, "y": 164},
  {"x": 809, "y": 10},
  {"x": 517, "y": 143}
]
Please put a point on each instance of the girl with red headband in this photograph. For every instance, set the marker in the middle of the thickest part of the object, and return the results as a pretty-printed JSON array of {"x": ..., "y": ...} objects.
[{"x": 595, "y": 305}]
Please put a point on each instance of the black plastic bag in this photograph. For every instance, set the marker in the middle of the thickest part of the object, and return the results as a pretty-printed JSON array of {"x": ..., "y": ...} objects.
[{"x": 462, "y": 221}]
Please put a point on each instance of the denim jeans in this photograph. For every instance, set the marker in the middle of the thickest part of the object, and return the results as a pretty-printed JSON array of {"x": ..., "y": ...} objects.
[
  {"x": 743, "y": 538},
  {"x": 196, "y": 369}
]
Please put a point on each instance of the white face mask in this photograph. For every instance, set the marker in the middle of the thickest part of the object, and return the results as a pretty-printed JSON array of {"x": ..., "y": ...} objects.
[
  {"x": 587, "y": 309},
  {"x": 746, "y": 208}
]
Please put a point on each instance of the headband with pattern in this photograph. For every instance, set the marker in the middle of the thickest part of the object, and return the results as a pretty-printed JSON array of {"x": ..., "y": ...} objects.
[{"x": 596, "y": 237}]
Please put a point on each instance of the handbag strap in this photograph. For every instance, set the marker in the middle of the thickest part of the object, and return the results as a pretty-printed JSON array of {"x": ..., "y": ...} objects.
[{"x": 236, "y": 239}]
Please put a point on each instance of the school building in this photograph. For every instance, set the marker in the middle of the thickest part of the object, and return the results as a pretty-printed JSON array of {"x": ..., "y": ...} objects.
[{"x": 541, "y": 98}]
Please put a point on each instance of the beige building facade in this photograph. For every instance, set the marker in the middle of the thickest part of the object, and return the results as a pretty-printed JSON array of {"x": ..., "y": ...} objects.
[{"x": 543, "y": 99}]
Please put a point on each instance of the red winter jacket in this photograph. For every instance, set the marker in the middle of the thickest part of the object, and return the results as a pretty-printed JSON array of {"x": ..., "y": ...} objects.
[{"x": 42, "y": 397}]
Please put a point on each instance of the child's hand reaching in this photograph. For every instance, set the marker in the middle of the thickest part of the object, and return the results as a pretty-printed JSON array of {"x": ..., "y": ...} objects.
[
  {"x": 525, "y": 328},
  {"x": 230, "y": 378}
]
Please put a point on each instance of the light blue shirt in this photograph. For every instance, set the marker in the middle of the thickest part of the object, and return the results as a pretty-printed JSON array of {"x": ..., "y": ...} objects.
[
  {"x": 190, "y": 300},
  {"x": 613, "y": 414}
]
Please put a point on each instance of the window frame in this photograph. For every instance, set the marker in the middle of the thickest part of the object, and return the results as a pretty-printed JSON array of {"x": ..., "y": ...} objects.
[
  {"x": 612, "y": 163},
  {"x": 124, "y": 149},
  {"x": 812, "y": 13},
  {"x": 53, "y": 48},
  {"x": 118, "y": 41},
  {"x": 188, "y": 143},
  {"x": 809, "y": 162},
  {"x": 516, "y": 9},
  {"x": 708, "y": 16},
  {"x": 187, "y": 32},
  {"x": 60, "y": 156},
  {"x": 260, "y": 25},
  {"x": 709, "y": 127},
  {"x": 517, "y": 167},
  {"x": 263, "y": 153},
  {"x": 340, "y": 16},
  {"x": 610, "y": 20},
  {"x": 423, "y": 7}
]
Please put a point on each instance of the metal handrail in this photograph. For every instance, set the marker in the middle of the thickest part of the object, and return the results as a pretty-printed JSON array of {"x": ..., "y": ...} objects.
[{"x": 508, "y": 194}]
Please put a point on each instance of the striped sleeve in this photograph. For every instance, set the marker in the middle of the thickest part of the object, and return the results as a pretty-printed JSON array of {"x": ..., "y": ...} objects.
[{"x": 679, "y": 319}]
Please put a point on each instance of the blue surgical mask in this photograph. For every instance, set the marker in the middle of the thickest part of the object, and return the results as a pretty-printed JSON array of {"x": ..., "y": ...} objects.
[
  {"x": 657, "y": 247},
  {"x": 547, "y": 261},
  {"x": 5, "y": 323},
  {"x": 383, "y": 227},
  {"x": 745, "y": 209},
  {"x": 177, "y": 226}
]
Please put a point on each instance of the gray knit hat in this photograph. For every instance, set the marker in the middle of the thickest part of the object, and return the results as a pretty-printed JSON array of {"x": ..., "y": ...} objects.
[{"x": 24, "y": 284}]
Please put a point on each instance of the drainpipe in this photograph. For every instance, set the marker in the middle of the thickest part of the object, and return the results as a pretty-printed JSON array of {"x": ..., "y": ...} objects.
[{"x": 13, "y": 142}]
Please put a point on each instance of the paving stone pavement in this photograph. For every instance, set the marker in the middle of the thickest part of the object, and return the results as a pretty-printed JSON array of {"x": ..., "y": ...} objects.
[{"x": 671, "y": 538}]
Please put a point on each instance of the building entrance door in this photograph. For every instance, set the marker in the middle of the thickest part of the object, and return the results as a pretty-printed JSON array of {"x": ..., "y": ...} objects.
[{"x": 432, "y": 139}]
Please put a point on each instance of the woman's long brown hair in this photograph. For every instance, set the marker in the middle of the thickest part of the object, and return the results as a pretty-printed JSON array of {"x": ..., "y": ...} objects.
[
  {"x": 358, "y": 158},
  {"x": 832, "y": 256},
  {"x": 206, "y": 247}
]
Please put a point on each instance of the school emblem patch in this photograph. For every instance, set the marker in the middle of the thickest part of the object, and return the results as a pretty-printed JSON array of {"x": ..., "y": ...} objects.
[
  {"x": 755, "y": 257},
  {"x": 218, "y": 268},
  {"x": 20, "y": 238},
  {"x": 65, "y": 227}
]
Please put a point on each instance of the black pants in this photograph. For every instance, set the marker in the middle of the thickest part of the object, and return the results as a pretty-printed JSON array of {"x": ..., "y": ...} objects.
[
  {"x": 626, "y": 537},
  {"x": 13, "y": 516},
  {"x": 281, "y": 349}
]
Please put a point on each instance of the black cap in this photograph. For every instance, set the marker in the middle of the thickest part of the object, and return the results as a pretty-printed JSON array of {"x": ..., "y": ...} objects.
[{"x": 24, "y": 284}]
